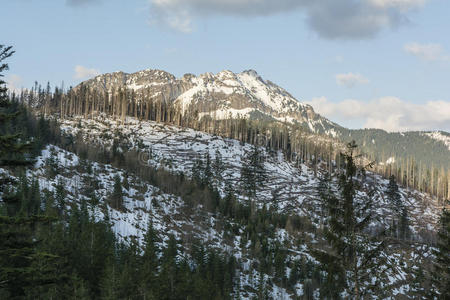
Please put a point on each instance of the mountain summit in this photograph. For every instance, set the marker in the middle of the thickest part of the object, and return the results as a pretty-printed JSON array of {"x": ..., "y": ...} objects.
[{"x": 221, "y": 96}]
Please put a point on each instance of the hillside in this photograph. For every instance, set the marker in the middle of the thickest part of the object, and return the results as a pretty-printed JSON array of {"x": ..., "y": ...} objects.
[
  {"x": 287, "y": 200},
  {"x": 291, "y": 185}
]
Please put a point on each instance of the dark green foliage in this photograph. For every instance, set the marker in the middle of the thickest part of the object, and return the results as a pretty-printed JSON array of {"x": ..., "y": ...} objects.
[
  {"x": 253, "y": 172},
  {"x": 353, "y": 255},
  {"x": 197, "y": 170},
  {"x": 150, "y": 262},
  {"x": 441, "y": 274},
  {"x": 24, "y": 266},
  {"x": 116, "y": 197},
  {"x": 400, "y": 228},
  {"x": 204, "y": 171},
  {"x": 60, "y": 196},
  {"x": 12, "y": 149},
  {"x": 218, "y": 167}
]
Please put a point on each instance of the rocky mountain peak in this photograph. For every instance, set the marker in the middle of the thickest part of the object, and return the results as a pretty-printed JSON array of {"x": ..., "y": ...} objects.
[{"x": 223, "y": 94}]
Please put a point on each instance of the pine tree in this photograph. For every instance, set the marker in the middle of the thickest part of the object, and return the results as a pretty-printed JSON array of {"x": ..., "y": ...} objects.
[
  {"x": 400, "y": 219},
  {"x": 168, "y": 276},
  {"x": 116, "y": 198},
  {"x": 207, "y": 172},
  {"x": 253, "y": 172},
  {"x": 327, "y": 198},
  {"x": 218, "y": 167},
  {"x": 441, "y": 274},
  {"x": 198, "y": 170},
  {"x": 12, "y": 149},
  {"x": 110, "y": 281},
  {"x": 149, "y": 266},
  {"x": 23, "y": 267},
  {"x": 353, "y": 255},
  {"x": 125, "y": 183}
]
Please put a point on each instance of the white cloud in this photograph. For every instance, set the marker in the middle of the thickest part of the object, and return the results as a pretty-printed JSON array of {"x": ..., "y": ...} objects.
[
  {"x": 84, "y": 73},
  {"x": 350, "y": 80},
  {"x": 14, "y": 83},
  {"x": 429, "y": 52},
  {"x": 344, "y": 19},
  {"x": 388, "y": 113}
]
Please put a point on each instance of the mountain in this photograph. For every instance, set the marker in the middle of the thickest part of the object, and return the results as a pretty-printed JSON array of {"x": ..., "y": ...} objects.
[{"x": 221, "y": 96}]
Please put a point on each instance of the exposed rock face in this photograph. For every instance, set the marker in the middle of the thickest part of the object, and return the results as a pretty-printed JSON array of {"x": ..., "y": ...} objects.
[{"x": 220, "y": 95}]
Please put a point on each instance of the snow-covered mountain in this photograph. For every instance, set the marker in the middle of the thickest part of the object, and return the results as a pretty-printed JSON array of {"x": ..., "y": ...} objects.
[{"x": 222, "y": 95}]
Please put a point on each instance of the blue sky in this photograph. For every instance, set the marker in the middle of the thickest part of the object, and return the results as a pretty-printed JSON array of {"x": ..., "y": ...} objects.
[{"x": 361, "y": 63}]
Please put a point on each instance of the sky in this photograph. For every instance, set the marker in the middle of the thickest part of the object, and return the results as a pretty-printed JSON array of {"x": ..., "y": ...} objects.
[{"x": 361, "y": 63}]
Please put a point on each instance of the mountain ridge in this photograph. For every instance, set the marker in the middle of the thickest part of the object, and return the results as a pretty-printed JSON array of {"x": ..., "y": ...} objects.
[
  {"x": 222, "y": 95},
  {"x": 227, "y": 95}
]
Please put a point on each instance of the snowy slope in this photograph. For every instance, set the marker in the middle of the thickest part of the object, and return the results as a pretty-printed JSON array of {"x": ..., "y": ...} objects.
[{"x": 292, "y": 186}]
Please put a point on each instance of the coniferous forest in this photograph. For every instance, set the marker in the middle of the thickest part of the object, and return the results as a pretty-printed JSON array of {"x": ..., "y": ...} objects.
[{"x": 62, "y": 243}]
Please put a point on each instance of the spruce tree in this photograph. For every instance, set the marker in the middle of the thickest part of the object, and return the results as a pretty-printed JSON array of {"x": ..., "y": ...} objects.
[
  {"x": 116, "y": 198},
  {"x": 399, "y": 226},
  {"x": 353, "y": 256},
  {"x": 60, "y": 196},
  {"x": 12, "y": 149},
  {"x": 441, "y": 274},
  {"x": 150, "y": 262},
  {"x": 168, "y": 276},
  {"x": 253, "y": 172},
  {"x": 207, "y": 172},
  {"x": 198, "y": 170},
  {"x": 218, "y": 167},
  {"x": 24, "y": 268}
]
